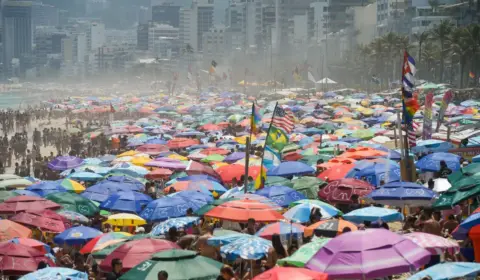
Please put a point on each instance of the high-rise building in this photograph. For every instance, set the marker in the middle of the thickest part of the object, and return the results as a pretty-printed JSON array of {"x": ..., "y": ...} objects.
[
  {"x": 75, "y": 8},
  {"x": 142, "y": 37},
  {"x": 167, "y": 13},
  {"x": 45, "y": 15},
  {"x": 96, "y": 36},
  {"x": 17, "y": 32},
  {"x": 204, "y": 19},
  {"x": 188, "y": 27},
  {"x": 244, "y": 18},
  {"x": 284, "y": 23},
  {"x": 163, "y": 40}
]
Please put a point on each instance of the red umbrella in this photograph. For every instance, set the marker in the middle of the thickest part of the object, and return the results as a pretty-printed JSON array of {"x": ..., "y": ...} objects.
[
  {"x": 159, "y": 173},
  {"x": 242, "y": 210},
  {"x": 341, "y": 191},
  {"x": 18, "y": 259},
  {"x": 179, "y": 143},
  {"x": 290, "y": 273},
  {"x": 196, "y": 168},
  {"x": 210, "y": 127},
  {"x": 9, "y": 230},
  {"x": 215, "y": 151},
  {"x": 38, "y": 221},
  {"x": 152, "y": 149},
  {"x": 336, "y": 172},
  {"x": 228, "y": 172},
  {"x": 25, "y": 203},
  {"x": 292, "y": 156},
  {"x": 136, "y": 251},
  {"x": 32, "y": 243}
]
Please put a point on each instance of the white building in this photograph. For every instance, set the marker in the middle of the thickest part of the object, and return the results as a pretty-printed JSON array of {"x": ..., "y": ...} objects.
[
  {"x": 365, "y": 22},
  {"x": 244, "y": 21},
  {"x": 319, "y": 17},
  {"x": 214, "y": 43},
  {"x": 96, "y": 35},
  {"x": 120, "y": 37},
  {"x": 426, "y": 17},
  {"x": 163, "y": 39},
  {"x": 194, "y": 21}
]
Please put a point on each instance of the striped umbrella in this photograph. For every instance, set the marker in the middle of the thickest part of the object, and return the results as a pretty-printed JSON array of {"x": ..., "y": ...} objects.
[
  {"x": 178, "y": 223},
  {"x": 437, "y": 245}
]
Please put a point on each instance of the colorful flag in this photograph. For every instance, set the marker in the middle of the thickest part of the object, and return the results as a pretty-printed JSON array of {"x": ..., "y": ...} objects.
[
  {"x": 471, "y": 75},
  {"x": 271, "y": 158},
  {"x": 447, "y": 98},
  {"x": 112, "y": 110},
  {"x": 277, "y": 138},
  {"x": 255, "y": 119},
  {"x": 427, "y": 117},
  {"x": 283, "y": 119},
  {"x": 213, "y": 67},
  {"x": 410, "y": 103}
]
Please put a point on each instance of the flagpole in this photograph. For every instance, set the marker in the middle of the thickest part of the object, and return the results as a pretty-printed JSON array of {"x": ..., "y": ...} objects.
[
  {"x": 247, "y": 163},
  {"x": 405, "y": 139},
  {"x": 263, "y": 153}
]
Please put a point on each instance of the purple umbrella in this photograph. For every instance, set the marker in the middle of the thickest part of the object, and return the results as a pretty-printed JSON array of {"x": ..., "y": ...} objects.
[
  {"x": 234, "y": 157},
  {"x": 65, "y": 162},
  {"x": 356, "y": 255},
  {"x": 167, "y": 164}
]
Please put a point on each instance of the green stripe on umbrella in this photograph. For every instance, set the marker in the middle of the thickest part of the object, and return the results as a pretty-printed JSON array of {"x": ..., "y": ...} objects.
[
  {"x": 304, "y": 253},
  {"x": 74, "y": 202}
]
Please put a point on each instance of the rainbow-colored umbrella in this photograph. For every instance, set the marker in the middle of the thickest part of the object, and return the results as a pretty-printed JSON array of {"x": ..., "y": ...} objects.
[{"x": 104, "y": 240}]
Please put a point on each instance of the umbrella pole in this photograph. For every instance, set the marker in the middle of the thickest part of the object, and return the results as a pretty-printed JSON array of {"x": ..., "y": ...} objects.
[{"x": 251, "y": 269}]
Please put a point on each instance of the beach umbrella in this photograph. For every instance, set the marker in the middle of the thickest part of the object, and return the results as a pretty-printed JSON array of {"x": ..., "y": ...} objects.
[
  {"x": 74, "y": 202},
  {"x": 357, "y": 255},
  {"x": 168, "y": 207},
  {"x": 247, "y": 248},
  {"x": 17, "y": 259},
  {"x": 379, "y": 173},
  {"x": 24, "y": 192},
  {"x": 204, "y": 209},
  {"x": 85, "y": 176},
  {"x": 134, "y": 252},
  {"x": 308, "y": 186},
  {"x": 46, "y": 187},
  {"x": 103, "y": 240},
  {"x": 448, "y": 270},
  {"x": 4, "y": 195},
  {"x": 10, "y": 229},
  {"x": 373, "y": 214},
  {"x": 401, "y": 194},
  {"x": 170, "y": 164},
  {"x": 152, "y": 149},
  {"x": 107, "y": 250},
  {"x": 435, "y": 244},
  {"x": 288, "y": 273},
  {"x": 72, "y": 186},
  {"x": 304, "y": 253},
  {"x": 233, "y": 157},
  {"x": 291, "y": 168},
  {"x": 159, "y": 174},
  {"x": 129, "y": 202},
  {"x": 341, "y": 191},
  {"x": 73, "y": 216},
  {"x": 103, "y": 189},
  {"x": 279, "y": 181},
  {"x": 4, "y": 177},
  {"x": 461, "y": 190},
  {"x": 197, "y": 168},
  {"x": 14, "y": 184},
  {"x": 329, "y": 228},
  {"x": 224, "y": 236},
  {"x": 336, "y": 172},
  {"x": 179, "y": 264},
  {"x": 178, "y": 223},
  {"x": 301, "y": 213},
  {"x": 26, "y": 203},
  {"x": 331, "y": 210},
  {"x": 130, "y": 170},
  {"x": 281, "y": 195},
  {"x": 197, "y": 198},
  {"x": 180, "y": 143},
  {"x": 56, "y": 273},
  {"x": 32, "y": 243},
  {"x": 76, "y": 235},
  {"x": 284, "y": 229},
  {"x": 38, "y": 221},
  {"x": 243, "y": 210},
  {"x": 205, "y": 186},
  {"x": 431, "y": 146},
  {"x": 65, "y": 162},
  {"x": 431, "y": 162},
  {"x": 235, "y": 171},
  {"x": 125, "y": 219},
  {"x": 440, "y": 185}
]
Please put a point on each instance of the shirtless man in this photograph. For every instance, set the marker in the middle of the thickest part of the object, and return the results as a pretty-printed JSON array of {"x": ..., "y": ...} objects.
[{"x": 203, "y": 248}]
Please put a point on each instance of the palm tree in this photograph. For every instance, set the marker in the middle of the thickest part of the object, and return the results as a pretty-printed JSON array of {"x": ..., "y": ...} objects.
[
  {"x": 461, "y": 49},
  {"x": 421, "y": 38},
  {"x": 441, "y": 33}
]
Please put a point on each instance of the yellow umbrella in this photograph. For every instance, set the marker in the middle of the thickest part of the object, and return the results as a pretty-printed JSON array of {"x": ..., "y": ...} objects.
[
  {"x": 243, "y": 139},
  {"x": 72, "y": 185},
  {"x": 141, "y": 161},
  {"x": 130, "y": 153},
  {"x": 125, "y": 219},
  {"x": 177, "y": 156},
  {"x": 344, "y": 119}
]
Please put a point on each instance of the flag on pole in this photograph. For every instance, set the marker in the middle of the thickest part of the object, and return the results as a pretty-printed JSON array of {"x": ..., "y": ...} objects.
[
  {"x": 311, "y": 78},
  {"x": 427, "y": 117},
  {"x": 276, "y": 138},
  {"x": 112, "y": 110},
  {"x": 471, "y": 75},
  {"x": 213, "y": 67},
  {"x": 410, "y": 103},
  {"x": 255, "y": 119},
  {"x": 283, "y": 119}
]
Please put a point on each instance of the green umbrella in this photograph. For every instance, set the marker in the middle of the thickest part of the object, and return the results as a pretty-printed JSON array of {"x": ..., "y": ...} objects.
[
  {"x": 104, "y": 213},
  {"x": 461, "y": 190},
  {"x": 327, "y": 150},
  {"x": 214, "y": 157},
  {"x": 235, "y": 118},
  {"x": 74, "y": 202},
  {"x": 314, "y": 158},
  {"x": 304, "y": 253},
  {"x": 327, "y": 126},
  {"x": 4, "y": 195},
  {"x": 179, "y": 264},
  {"x": 204, "y": 209},
  {"x": 308, "y": 186},
  {"x": 364, "y": 134},
  {"x": 278, "y": 181},
  {"x": 290, "y": 148}
]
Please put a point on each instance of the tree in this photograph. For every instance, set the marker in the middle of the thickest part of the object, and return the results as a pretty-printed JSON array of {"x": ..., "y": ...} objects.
[
  {"x": 421, "y": 38},
  {"x": 441, "y": 34}
]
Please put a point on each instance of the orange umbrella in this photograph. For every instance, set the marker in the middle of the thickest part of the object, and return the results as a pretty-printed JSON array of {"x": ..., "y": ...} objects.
[
  {"x": 9, "y": 230},
  {"x": 243, "y": 210},
  {"x": 179, "y": 143},
  {"x": 362, "y": 153},
  {"x": 329, "y": 228},
  {"x": 336, "y": 172},
  {"x": 229, "y": 172},
  {"x": 336, "y": 162},
  {"x": 159, "y": 173}
]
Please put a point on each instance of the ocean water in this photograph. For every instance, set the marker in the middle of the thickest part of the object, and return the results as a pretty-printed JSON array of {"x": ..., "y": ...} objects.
[{"x": 21, "y": 99}]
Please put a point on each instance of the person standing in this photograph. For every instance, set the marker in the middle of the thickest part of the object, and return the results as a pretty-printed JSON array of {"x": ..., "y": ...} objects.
[{"x": 116, "y": 270}]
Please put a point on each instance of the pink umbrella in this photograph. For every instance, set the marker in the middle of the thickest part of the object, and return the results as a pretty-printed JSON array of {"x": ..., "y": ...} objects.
[
  {"x": 371, "y": 253},
  {"x": 166, "y": 164},
  {"x": 196, "y": 168},
  {"x": 152, "y": 149},
  {"x": 437, "y": 245}
]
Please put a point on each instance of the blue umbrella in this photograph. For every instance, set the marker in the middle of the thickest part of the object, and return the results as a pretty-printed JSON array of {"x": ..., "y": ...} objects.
[
  {"x": 183, "y": 222},
  {"x": 301, "y": 213},
  {"x": 247, "y": 248},
  {"x": 168, "y": 207},
  {"x": 199, "y": 198},
  {"x": 373, "y": 214},
  {"x": 291, "y": 168},
  {"x": 127, "y": 181},
  {"x": 65, "y": 162},
  {"x": 102, "y": 190},
  {"x": 432, "y": 145},
  {"x": 234, "y": 157},
  {"x": 85, "y": 176},
  {"x": 46, "y": 187},
  {"x": 449, "y": 270},
  {"x": 218, "y": 241},
  {"x": 76, "y": 235},
  {"x": 431, "y": 162},
  {"x": 156, "y": 141},
  {"x": 56, "y": 273},
  {"x": 350, "y": 139},
  {"x": 379, "y": 172},
  {"x": 281, "y": 195},
  {"x": 305, "y": 141},
  {"x": 403, "y": 193},
  {"x": 26, "y": 192},
  {"x": 107, "y": 158},
  {"x": 129, "y": 202}
]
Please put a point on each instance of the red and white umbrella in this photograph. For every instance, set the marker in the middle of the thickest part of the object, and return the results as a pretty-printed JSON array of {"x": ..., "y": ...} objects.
[{"x": 435, "y": 244}]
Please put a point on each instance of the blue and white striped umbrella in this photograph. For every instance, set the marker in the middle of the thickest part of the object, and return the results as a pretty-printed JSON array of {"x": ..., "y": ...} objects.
[
  {"x": 225, "y": 239},
  {"x": 301, "y": 213},
  {"x": 248, "y": 248},
  {"x": 178, "y": 223}
]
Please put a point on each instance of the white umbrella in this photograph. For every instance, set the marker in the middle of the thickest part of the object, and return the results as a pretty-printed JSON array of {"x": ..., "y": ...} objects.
[
  {"x": 441, "y": 185},
  {"x": 326, "y": 81}
]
